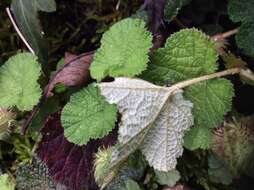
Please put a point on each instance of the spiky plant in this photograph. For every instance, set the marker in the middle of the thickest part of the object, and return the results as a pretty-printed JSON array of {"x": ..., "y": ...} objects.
[
  {"x": 234, "y": 142},
  {"x": 6, "y": 120},
  {"x": 102, "y": 161}
]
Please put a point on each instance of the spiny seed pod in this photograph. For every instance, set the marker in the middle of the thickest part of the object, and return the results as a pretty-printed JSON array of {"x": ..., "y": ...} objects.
[
  {"x": 235, "y": 144},
  {"x": 6, "y": 120},
  {"x": 102, "y": 162}
]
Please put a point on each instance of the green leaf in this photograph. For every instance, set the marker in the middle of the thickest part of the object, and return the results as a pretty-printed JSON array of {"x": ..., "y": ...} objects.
[
  {"x": 6, "y": 183},
  {"x": 88, "y": 116},
  {"x": 124, "y": 50},
  {"x": 18, "y": 82},
  {"x": 26, "y": 16},
  {"x": 172, "y": 7},
  {"x": 132, "y": 185},
  {"x": 212, "y": 100},
  {"x": 167, "y": 178},
  {"x": 198, "y": 137},
  {"x": 187, "y": 54},
  {"x": 245, "y": 38},
  {"x": 241, "y": 10},
  {"x": 46, "y": 5},
  {"x": 218, "y": 171}
]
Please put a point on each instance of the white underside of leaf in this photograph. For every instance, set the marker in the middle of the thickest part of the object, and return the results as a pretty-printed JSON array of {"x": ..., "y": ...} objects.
[
  {"x": 153, "y": 117},
  {"x": 163, "y": 143}
]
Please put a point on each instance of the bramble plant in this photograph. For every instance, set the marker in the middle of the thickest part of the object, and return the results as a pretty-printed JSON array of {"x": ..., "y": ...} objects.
[{"x": 129, "y": 110}]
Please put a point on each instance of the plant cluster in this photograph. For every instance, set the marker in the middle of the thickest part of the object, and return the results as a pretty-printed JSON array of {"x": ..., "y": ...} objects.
[{"x": 136, "y": 113}]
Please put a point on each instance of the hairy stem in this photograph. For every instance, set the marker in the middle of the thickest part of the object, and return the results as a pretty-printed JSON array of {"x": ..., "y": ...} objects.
[
  {"x": 222, "y": 36},
  {"x": 190, "y": 82}
]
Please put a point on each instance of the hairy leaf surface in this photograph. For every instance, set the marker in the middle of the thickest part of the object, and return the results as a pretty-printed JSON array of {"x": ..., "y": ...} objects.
[
  {"x": 153, "y": 118},
  {"x": 87, "y": 116},
  {"x": 167, "y": 178},
  {"x": 198, "y": 137},
  {"x": 18, "y": 82},
  {"x": 187, "y": 54},
  {"x": 6, "y": 120},
  {"x": 241, "y": 10},
  {"x": 245, "y": 38},
  {"x": 124, "y": 50},
  {"x": 212, "y": 100},
  {"x": 233, "y": 143},
  {"x": 26, "y": 16}
]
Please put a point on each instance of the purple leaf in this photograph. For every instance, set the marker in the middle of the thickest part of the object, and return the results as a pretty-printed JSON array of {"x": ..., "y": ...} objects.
[
  {"x": 75, "y": 72},
  {"x": 69, "y": 164}
]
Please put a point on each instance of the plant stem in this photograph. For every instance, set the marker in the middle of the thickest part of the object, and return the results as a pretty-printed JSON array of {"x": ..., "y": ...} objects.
[
  {"x": 18, "y": 31},
  {"x": 222, "y": 36},
  {"x": 190, "y": 82}
]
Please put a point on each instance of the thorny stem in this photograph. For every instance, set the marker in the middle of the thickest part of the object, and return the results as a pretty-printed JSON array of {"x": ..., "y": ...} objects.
[
  {"x": 18, "y": 31},
  {"x": 190, "y": 82}
]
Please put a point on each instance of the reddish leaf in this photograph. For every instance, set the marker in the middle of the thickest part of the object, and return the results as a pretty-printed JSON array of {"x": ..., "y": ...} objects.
[
  {"x": 69, "y": 164},
  {"x": 75, "y": 72}
]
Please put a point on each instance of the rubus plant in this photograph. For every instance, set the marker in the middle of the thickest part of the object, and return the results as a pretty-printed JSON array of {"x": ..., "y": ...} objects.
[{"x": 134, "y": 107}]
